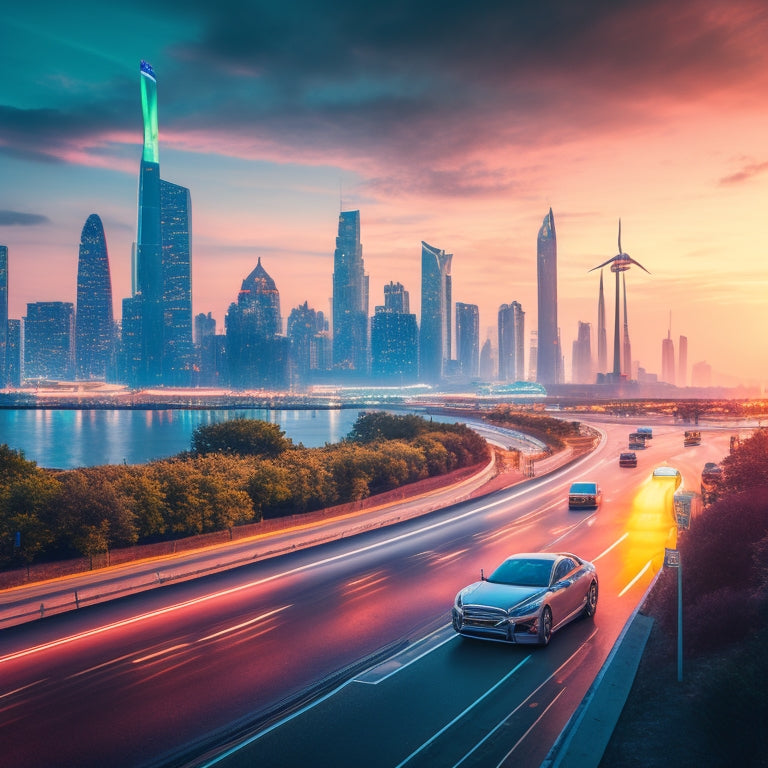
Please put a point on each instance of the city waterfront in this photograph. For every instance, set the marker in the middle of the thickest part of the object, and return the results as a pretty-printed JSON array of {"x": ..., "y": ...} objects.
[{"x": 64, "y": 439}]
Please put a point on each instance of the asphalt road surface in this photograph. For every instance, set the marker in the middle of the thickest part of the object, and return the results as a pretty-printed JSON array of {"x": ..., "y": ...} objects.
[{"x": 342, "y": 655}]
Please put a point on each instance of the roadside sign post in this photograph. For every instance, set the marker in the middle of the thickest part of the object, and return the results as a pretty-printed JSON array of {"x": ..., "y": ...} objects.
[
  {"x": 683, "y": 502},
  {"x": 672, "y": 560}
]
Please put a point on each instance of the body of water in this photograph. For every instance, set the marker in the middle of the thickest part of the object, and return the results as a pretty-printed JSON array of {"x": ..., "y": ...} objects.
[{"x": 64, "y": 439}]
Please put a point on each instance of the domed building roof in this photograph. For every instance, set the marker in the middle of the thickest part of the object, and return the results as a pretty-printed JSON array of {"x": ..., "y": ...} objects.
[{"x": 258, "y": 281}]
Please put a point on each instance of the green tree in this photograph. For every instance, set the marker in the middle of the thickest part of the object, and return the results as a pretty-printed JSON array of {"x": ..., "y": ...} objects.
[
  {"x": 88, "y": 507},
  {"x": 268, "y": 487},
  {"x": 374, "y": 426},
  {"x": 13, "y": 465},
  {"x": 26, "y": 508},
  {"x": 141, "y": 492},
  {"x": 245, "y": 437}
]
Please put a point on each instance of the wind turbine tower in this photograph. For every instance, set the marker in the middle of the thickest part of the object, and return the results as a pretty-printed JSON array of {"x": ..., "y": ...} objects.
[{"x": 620, "y": 263}]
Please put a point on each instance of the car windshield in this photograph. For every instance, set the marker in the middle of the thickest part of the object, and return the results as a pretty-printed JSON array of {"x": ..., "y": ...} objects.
[{"x": 523, "y": 572}]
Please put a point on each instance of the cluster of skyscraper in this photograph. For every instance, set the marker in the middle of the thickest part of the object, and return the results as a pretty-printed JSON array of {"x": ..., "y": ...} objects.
[{"x": 153, "y": 346}]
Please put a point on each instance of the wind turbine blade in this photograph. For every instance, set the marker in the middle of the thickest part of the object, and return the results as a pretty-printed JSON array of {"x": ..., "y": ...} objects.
[
  {"x": 605, "y": 263},
  {"x": 637, "y": 263}
]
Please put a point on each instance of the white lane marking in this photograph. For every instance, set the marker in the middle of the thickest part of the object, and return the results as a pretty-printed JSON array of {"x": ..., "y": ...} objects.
[
  {"x": 576, "y": 653},
  {"x": 636, "y": 579},
  {"x": 571, "y": 529},
  {"x": 244, "y": 624},
  {"x": 400, "y": 667},
  {"x": 606, "y": 551},
  {"x": 460, "y": 715},
  {"x": 533, "y": 725},
  {"x": 164, "y": 652},
  {"x": 274, "y": 577}
]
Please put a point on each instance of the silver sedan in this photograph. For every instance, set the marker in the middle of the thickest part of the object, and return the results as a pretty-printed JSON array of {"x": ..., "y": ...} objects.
[{"x": 527, "y": 598}]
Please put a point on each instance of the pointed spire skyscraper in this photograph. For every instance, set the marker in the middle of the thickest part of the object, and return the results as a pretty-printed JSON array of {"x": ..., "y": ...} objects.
[
  {"x": 549, "y": 356},
  {"x": 94, "y": 321},
  {"x": 149, "y": 251},
  {"x": 350, "y": 297},
  {"x": 602, "y": 338},
  {"x": 627, "y": 347}
]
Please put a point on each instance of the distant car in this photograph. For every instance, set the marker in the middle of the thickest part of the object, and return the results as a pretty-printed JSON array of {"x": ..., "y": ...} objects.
[
  {"x": 668, "y": 473},
  {"x": 691, "y": 437},
  {"x": 628, "y": 459},
  {"x": 637, "y": 441},
  {"x": 584, "y": 495},
  {"x": 646, "y": 432},
  {"x": 527, "y": 598}
]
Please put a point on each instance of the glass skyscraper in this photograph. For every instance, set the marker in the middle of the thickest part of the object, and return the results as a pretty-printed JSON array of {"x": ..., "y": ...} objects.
[
  {"x": 350, "y": 298},
  {"x": 49, "y": 332},
  {"x": 468, "y": 339},
  {"x": 178, "y": 349},
  {"x": 307, "y": 331},
  {"x": 581, "y": 363},
  {"x": 602, "y": 337},
  {"x": 3, "y": 315},
  {"x": 149, "y": 252},
  {"x": 435, "y": 330},
  {"x": 395, "y": 338},
  {"x": 94, "y": 319},
  {"x": 549, "y": 355},
  {"x": 511, "y": 342}
]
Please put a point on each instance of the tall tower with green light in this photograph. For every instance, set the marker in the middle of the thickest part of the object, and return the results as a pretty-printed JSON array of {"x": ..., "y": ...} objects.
[{"x": 149, "y": 253}]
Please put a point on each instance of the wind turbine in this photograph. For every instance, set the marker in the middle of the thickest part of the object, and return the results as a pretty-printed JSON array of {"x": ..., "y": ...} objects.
[{"x": 621, "y": 262}]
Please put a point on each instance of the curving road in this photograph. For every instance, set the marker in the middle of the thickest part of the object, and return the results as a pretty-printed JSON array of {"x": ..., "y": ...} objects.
[{"x": 341, "y": 654}]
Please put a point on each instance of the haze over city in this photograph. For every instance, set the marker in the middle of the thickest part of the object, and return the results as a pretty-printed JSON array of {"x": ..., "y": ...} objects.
[{"x": 461, "y": 127}]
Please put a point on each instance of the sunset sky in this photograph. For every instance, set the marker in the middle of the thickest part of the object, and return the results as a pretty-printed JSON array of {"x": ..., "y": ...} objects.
[{"x": 457, "y": 124}]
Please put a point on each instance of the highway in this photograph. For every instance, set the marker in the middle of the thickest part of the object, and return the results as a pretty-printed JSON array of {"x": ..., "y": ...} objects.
[{"x": 342, "y": 654}]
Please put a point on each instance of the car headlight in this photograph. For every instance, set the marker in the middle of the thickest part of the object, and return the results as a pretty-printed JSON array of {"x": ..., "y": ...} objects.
[
  {"x": 525, "y": 609},
  {"x": 458, "y": 600}
]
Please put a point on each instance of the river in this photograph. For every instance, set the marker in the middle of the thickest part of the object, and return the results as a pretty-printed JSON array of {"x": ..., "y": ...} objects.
[{"x": 64, "y": 439}]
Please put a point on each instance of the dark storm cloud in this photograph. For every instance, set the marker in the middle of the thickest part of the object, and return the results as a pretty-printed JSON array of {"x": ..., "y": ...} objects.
[
  {"x": 425, "y": 79},
  {"x": 413, "y": 84},
  {"x": 46, "y": 134},
  {"x": 19, "y": 219}
]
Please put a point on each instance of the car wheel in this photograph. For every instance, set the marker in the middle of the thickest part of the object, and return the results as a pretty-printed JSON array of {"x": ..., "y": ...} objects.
[
  {"x": 591, "y": 604},
  {"x": 545, "y": 626}
]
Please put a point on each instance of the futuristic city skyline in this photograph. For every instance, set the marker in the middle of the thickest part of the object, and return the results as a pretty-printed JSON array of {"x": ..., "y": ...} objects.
[{"x": 640, "y": 111}]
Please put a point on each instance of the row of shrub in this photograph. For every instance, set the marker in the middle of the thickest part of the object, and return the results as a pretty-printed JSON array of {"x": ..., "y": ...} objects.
[
  {"x": 236, "y": 472},
  {"x": 549, "y": 430}
]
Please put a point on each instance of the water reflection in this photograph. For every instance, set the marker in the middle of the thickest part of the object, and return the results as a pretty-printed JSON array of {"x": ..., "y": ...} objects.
[{"x": 74, "y": 438}]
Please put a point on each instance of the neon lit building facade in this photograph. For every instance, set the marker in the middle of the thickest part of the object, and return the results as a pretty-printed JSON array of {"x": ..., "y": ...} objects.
[{"x": 149, "y": 251}]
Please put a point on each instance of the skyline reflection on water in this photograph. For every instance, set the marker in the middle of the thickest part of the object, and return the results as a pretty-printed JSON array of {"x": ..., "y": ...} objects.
[{"x": 65, "y": 439}]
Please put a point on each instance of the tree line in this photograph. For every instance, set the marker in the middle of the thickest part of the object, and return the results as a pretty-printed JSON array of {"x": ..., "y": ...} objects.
[
  {"x": 235, "y": 472},
  {"x": 549, "y": 430},
  {"x": 725, "y": 616}
]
